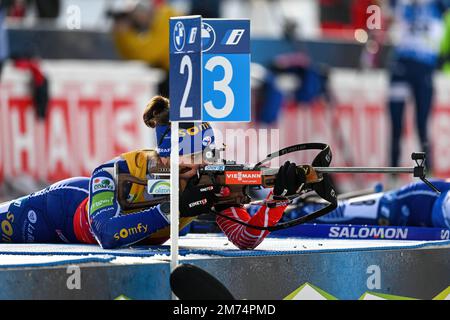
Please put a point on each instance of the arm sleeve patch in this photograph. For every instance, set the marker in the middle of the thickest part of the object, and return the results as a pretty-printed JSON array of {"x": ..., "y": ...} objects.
[{"x": 101, "y": 200}]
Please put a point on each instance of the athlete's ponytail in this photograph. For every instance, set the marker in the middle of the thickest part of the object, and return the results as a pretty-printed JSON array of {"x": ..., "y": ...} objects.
[{"x": 156, "y": 112}]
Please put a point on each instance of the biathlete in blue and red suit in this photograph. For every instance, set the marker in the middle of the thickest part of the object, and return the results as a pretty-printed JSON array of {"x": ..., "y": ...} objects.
[{"x": 113, "y": 209}]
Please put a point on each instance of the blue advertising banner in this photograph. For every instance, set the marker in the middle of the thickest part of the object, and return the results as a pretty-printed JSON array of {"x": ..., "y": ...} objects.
[
  {"x": 185, "y": 68},
  {"x": 363, "y": 232},
  {"x": 226, "y": 70}
]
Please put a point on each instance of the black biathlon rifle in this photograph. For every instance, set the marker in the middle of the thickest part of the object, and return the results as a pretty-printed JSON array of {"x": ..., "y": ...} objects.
[{"x": 236, "y": 177}]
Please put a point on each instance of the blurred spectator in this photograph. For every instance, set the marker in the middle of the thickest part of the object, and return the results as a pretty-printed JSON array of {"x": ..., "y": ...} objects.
[
  {"x": 46, "y": 9},
  {"x": 337, "y": 16},
  {"x": 38, "y": 84},
  {"x": 291, "y": 79},
  {"x": 206, "y": 8},
  {"x": 141, "y": 32},
  {"x": 445, "y": 45},
  {"x": 17, "y": 9},
  {"x": 419, "y": 29}
]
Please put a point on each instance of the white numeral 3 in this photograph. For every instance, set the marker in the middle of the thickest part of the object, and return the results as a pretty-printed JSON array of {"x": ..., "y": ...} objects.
[{"x": 222, "y": 86}]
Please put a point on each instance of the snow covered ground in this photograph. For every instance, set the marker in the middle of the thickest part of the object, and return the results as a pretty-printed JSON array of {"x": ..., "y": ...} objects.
[{"x": 192, "y": 246}]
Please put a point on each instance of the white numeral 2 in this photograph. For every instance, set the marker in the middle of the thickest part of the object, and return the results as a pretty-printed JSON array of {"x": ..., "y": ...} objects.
[{"x": 186, "y": 112}]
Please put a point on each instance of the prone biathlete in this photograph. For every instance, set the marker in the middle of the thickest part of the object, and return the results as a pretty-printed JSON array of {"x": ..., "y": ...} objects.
[
  {"x": 414, "y": 204},
  {"x": 113, "y": 209},
  {"x": 195, "y": 200}
]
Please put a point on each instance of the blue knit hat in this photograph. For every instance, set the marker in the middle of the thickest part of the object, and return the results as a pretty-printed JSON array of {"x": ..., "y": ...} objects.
[{"x": 194, "y": 137}]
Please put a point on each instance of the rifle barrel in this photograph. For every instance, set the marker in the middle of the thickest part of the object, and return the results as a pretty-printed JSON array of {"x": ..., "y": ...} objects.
[
  {"x": 273, "y": 171},
  {"x": 365, "y": 169}
]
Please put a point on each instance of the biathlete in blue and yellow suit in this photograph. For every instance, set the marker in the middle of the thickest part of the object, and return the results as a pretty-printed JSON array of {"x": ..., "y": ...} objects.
[
  {"x": 83, "y": 210},
  {"x": 114, "y": 211}
]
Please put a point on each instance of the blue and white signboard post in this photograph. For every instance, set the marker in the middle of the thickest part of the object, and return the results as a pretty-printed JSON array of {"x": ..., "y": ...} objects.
[
  {"x": 209, "y": 81},
  {"x": 185, "y": 102}
]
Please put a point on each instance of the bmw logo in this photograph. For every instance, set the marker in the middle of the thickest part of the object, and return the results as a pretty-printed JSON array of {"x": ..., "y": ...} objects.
[
  {"x": 208, "y": 37},
  {"x": 179, "y": 36}
]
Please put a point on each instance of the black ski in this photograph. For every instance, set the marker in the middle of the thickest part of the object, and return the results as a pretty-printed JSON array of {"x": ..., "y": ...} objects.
[{"x": 189, "y": 282}]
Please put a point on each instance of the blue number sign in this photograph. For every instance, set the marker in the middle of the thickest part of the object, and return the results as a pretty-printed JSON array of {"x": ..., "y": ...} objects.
[
  {"x": 209, "y": 69},
  {"x": 185, "y": 68},
  {"x": 226, "y": 70}
]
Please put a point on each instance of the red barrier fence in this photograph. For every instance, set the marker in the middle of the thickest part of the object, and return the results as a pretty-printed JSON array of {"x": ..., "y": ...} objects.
[{"x": 95, "y": 113}]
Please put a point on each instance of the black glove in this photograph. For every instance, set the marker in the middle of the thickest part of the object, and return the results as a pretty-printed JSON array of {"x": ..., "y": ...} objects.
[
  {"x": 288, "y": 179},
  {"x": 195, "y": 200}
]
